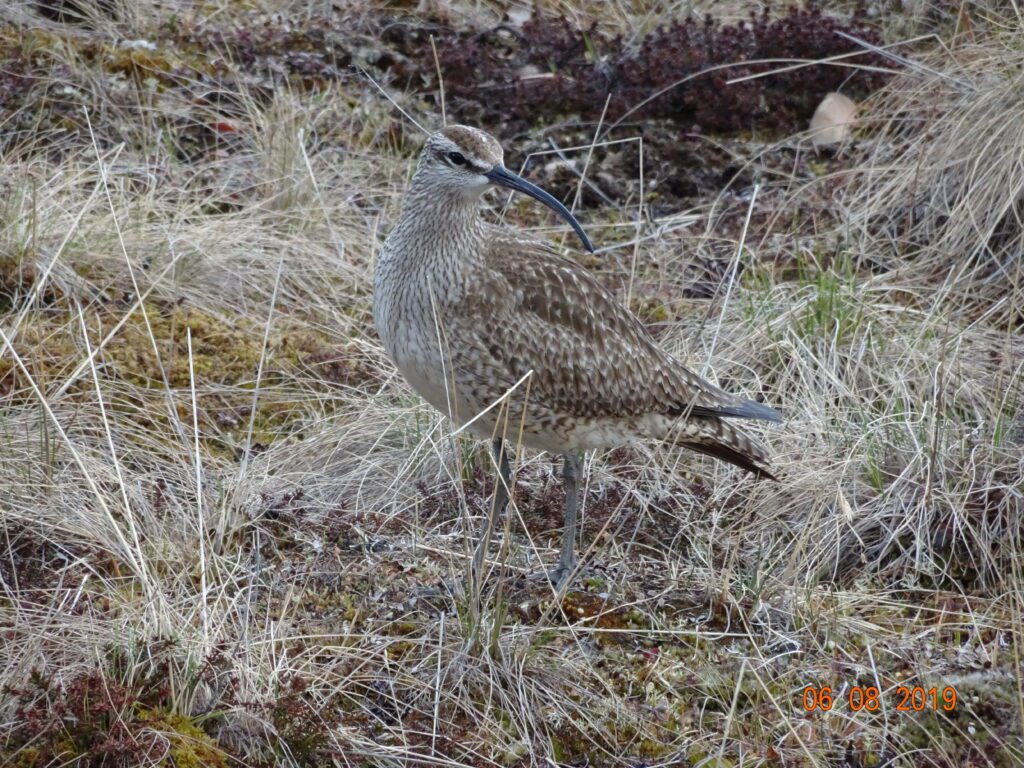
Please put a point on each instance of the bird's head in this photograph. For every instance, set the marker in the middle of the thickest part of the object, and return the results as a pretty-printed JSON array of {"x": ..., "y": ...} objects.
[{"x": 468, "y": 161}]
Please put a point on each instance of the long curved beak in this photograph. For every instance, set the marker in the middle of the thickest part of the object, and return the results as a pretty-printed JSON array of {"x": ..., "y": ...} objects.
[{"x": 503, "y": 177}]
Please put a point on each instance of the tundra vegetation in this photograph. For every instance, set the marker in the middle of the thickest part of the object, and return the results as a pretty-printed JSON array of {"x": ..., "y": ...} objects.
[{"x": 229, "y": 532}]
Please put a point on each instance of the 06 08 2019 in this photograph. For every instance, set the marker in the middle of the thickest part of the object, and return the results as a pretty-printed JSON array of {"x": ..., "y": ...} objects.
[{"x": 868, "y": 698}]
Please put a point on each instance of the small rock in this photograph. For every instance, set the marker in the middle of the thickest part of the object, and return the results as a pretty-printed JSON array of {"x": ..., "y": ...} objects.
[
  {"x": 528, "y": 72},
  {"x": 832, "y": 119},
  {"x": 518, "y": 14},
  {"x": 140, "y": 45}
]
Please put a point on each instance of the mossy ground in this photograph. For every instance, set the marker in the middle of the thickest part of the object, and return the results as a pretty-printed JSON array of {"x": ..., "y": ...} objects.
[{"x": 234, "y": 538}]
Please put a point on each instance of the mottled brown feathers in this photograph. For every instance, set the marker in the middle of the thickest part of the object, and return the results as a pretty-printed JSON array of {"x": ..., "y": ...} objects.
[
  {"x": 603, "y": 361},
  {"x": 731, "y": 455}
]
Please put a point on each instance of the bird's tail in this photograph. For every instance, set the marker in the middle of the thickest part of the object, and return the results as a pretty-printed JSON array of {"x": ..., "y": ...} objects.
[{"x": 720, "y": 439}]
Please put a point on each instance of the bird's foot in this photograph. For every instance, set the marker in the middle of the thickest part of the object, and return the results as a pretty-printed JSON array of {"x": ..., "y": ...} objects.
[{"x": 557, "y": 576}]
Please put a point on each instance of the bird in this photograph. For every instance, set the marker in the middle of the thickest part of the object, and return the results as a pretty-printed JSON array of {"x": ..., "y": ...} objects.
[{"x": 512, "y": 340}]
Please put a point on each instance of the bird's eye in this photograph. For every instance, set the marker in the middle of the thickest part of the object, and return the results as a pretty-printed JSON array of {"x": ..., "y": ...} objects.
[{"x": 457, "y": 158}]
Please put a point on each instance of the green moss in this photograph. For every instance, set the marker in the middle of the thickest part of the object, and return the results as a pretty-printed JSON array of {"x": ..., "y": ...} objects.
[
  {"x": 223, "y": 352},
  {"x": 225, "y": 357},
  {"x": 700, "y": 756},
  {"x": 46, "y": 352},
  {"x": 650, "y": 311},
  {"x": 190, "y": 746},
  {"x": 29, "y": 757}
]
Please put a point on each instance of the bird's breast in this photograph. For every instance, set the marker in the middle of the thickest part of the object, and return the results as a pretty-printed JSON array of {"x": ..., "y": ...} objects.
[{"x": 409, "y": 305}]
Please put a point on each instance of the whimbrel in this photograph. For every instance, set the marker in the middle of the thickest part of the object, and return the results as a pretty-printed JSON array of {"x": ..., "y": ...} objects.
[{"x": 473, "y": 314}]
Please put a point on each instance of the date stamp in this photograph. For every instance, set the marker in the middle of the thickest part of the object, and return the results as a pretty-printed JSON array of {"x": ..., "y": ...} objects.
[{"x": 905, "y": 698}]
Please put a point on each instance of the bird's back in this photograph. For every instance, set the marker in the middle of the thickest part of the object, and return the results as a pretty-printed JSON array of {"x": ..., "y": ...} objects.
[{"x": 598, "y": 378}]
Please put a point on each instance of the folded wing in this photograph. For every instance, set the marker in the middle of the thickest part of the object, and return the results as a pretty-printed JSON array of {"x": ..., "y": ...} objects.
[{"x": 589, "y": 355}]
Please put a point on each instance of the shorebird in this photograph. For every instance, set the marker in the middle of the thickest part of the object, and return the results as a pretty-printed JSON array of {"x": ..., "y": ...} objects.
[{"x": 508, "y": 338}]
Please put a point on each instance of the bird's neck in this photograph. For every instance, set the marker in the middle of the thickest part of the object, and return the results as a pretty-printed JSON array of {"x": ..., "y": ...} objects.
[{"x": 446, "y": 224}]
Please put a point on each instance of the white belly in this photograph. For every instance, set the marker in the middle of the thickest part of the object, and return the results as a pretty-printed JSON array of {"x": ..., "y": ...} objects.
[{"x": 419, "y": 359}]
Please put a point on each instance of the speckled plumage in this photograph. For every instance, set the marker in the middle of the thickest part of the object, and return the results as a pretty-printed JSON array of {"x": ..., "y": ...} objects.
[{"x": 466, "y": 310}]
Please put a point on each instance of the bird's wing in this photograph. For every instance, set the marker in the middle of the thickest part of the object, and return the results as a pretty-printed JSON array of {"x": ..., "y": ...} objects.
[{"x": 589, "y": 355}]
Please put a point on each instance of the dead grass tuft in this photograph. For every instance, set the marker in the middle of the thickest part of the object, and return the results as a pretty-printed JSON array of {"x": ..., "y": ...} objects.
[{"x": 939, "y": 182}]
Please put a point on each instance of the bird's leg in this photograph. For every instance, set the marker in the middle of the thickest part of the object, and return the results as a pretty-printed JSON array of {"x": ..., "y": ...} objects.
[
  {"x": 571, "y": 470},
  {"x": 498, "y": 504}
]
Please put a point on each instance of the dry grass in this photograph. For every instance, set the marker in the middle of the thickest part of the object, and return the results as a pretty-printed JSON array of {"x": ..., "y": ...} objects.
[
  {"x": 224, "y": 515},
  {"x": 941, "y": 182}
]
